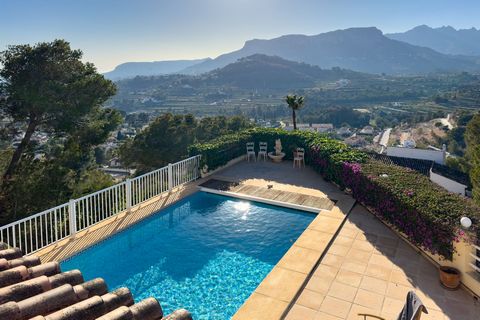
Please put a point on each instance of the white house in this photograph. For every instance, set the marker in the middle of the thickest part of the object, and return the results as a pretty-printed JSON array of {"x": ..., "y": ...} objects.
[
  {"x": 414, "y": 153},
  {"x": 367, "y": 130},
  {"x": 344, "y": 131}
]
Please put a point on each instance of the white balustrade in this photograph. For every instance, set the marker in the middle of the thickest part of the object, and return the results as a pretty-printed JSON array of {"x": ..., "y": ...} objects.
[{"x": 42, "y": 229}]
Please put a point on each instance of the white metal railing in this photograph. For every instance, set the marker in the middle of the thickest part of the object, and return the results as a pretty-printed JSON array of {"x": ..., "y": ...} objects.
[
  {"x": 39, "y": 230},
  {"x": 476, "y": 258}
]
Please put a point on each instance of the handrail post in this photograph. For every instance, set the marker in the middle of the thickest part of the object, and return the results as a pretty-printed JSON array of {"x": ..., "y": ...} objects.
[
  {"x": 197, "y": 169},
  {"x": 128, "y": 193},
  {"x": 72, "y": 217},
  {"x": 170, "y": 177}
]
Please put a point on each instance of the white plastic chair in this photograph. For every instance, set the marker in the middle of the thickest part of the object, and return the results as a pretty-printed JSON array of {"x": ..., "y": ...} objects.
[
  {"x": 299, "y": 157},
  {"x": 262, "y": 152},
  {"x": 251, "y": 151}
]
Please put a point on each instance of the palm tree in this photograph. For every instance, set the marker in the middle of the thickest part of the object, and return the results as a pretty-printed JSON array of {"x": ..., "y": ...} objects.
[{"x": 295, "y": 103}]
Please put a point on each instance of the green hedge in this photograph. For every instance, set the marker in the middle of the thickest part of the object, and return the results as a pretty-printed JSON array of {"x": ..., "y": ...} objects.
[{"x": 218, "y": 152}]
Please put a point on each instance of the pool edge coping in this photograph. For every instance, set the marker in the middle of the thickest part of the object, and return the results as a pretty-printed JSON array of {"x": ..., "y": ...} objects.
[{"x": 278, "y": 291}]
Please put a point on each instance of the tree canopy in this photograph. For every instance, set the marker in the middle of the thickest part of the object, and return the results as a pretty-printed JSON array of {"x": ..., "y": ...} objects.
[
  {"x": 295, "y": 103},
  {"x": 472, "y": 139},
  {"x": 47, "y": 89},
  {"x": 48, "y": 86},
  {"x": 166, "y": 139}
]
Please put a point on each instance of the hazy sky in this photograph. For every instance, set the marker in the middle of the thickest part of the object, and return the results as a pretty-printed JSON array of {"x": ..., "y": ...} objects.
[{"x": 114, "y": 31}]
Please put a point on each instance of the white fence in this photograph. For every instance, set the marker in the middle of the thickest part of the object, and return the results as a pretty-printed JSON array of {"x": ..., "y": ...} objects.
[
  {"x": 37, "y": 231},
  {"x": 475, "y": 264}
]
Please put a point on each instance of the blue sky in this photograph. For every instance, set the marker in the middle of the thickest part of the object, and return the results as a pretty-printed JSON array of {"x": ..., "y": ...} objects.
[{"x": 114, "y": 31}]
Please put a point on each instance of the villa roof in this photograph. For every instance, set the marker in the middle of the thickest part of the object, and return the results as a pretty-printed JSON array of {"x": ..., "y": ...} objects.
[
  {"x": 423, "y": 167},
  {"x": 32, "y": 290}
]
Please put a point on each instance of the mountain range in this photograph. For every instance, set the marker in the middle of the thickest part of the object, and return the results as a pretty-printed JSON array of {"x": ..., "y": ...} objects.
[
  {"x": 359, "y": 49},
  {"x": 133, "y": 69},
  {"x": 445, "y": 39}
]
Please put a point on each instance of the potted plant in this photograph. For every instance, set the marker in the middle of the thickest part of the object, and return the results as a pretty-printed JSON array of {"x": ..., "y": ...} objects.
[{"x": 449, "y": 277}]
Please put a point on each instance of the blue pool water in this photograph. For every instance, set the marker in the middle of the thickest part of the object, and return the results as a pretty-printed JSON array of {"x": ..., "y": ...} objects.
[{"x": 206, "y": 253}]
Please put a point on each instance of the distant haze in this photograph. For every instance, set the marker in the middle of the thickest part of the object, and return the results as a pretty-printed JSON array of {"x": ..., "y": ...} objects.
[
  {"x": 359, "y": 49},
  {"x": 112, "y": 32},
  {"x": 444, "y": 39}
]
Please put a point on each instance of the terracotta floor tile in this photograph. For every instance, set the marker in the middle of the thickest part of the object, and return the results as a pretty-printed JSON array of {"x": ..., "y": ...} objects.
[
  {"x": 349, "y": 277},
  {"x": 369, "y": 237},
  {"x": 385, "y": 251},
  {"x": 369, "y": 299},
  {"x": 299, "y": 312},
  {"x": 435, "y": 302},
  {"x": 344, "y": 241},
  {"x": 349, "y": 233},
  {"x": 383, "y": 241},
  {"x": 354, "y": 266},
  {"x": 374, "y": 285},
  {"x": 400, "y": 277},
  {"x": 332, "y": 260},
  {"x": 260, "y": 307},
  {"x": 335, "y": 307},
  {"x": 356, "y": 309},
  {"x": 325, "y": 270},
  {"x": 392, "y": 305},
  {"x": 434, "y": 315},
  {"x": 310, "y": 299},
  {"x": 397, "y": 291},
  {"x": 314, "y": 240},
  {"x": 281, "y": 284},
  {"x": 363, "y": 245},
  {"x": 319, "y": 284},
  {"x": 325, "y": 224},
  {"x": 378, "y": 272},
  {"x": 381, "y": 260},
  {"x": 342, "y": 291},
  {"x": 326, "y": 316},
  {"x": 300, "y": 259},
  {"x": 358, "y": 255},
  {"x": 338, "y": 250}
]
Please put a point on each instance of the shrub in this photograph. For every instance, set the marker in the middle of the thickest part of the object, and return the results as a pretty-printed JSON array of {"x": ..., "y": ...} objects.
[
  {"x": 407, "y": 200},
  {"x": 425, "y": 212}
]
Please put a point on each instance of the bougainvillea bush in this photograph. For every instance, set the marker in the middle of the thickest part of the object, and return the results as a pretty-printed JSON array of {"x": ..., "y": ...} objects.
[{"x": 426, "y": 213}]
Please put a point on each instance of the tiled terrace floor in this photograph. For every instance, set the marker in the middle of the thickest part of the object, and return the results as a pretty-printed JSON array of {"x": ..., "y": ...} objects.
[{"x": 369, "y": 269}]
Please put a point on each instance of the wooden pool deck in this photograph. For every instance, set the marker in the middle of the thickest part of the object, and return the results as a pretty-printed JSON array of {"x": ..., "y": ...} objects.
[{"x": 320, "y": 203}]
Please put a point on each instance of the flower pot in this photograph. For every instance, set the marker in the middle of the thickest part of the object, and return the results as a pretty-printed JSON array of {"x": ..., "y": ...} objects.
[{"x": 449, "y": 277}]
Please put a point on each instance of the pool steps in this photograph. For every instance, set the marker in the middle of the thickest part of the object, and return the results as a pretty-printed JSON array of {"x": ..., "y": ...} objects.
[{"x": 36, "y": 291}]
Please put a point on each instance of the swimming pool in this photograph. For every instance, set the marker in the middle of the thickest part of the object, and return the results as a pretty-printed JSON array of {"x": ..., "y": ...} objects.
[{"x": 206, "y": 253}]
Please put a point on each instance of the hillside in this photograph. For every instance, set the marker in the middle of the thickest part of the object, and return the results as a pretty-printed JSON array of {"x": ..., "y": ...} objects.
[
  {"x": 269, "y": 72},
  {"x": 444, "y": 39},
  {"x": 253, "y": 72},
  {"x": 359, "y": 49},
  {"x": 155, "y": 68}
]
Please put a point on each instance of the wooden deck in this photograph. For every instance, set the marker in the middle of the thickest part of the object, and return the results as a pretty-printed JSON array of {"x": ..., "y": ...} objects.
[{"x": 320, "y": 203}]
